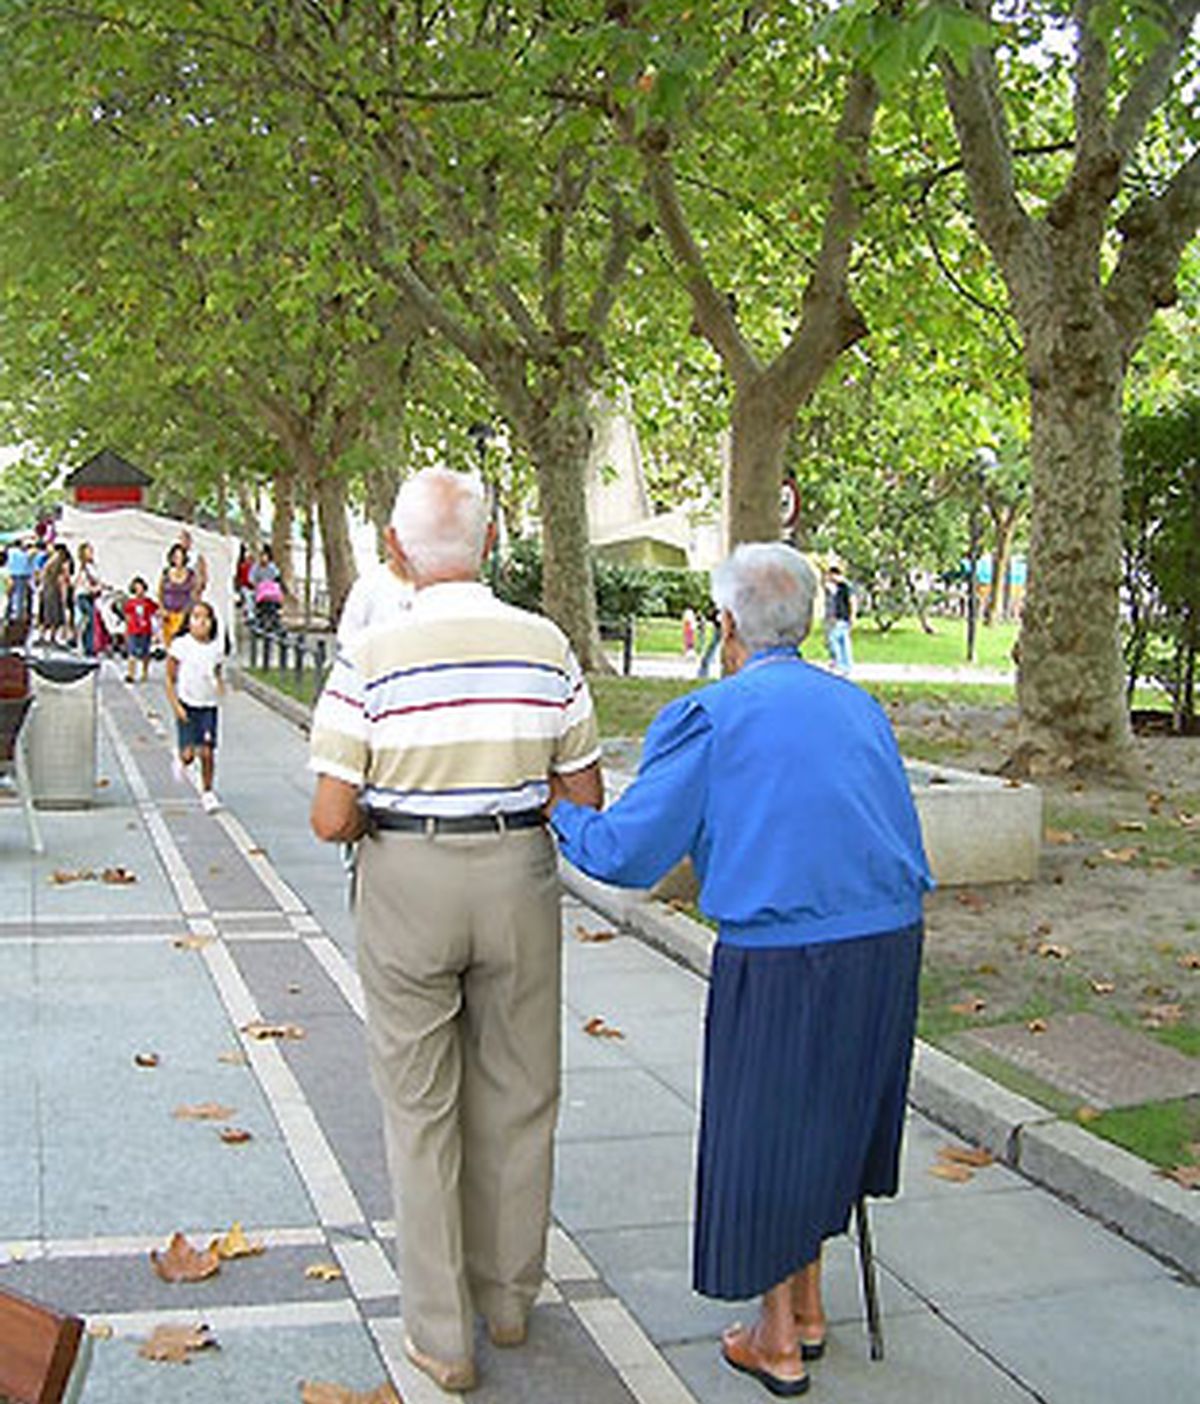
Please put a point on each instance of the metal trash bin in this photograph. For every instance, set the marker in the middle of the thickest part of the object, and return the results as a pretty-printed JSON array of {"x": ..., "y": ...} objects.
[{"x": 62, "y": 731}]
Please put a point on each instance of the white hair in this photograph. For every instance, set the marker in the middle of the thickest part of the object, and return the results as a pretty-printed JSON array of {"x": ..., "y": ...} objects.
[
  {"x": 440, "y": 520},
  {"x": 769, "y": 589}
]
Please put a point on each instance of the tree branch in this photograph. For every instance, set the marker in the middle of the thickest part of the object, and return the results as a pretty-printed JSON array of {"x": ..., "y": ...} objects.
[
  {"x": 1147, "y": 90},
  {"x": 1154, "y": 231}
]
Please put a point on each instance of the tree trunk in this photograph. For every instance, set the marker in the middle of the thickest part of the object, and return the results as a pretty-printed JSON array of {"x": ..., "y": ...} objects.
[
  {"x": 335, "y": 537},
  {"x": 283, "y": 491},
  {"x": 557, "y": 440},
  {"x": 380, "y": 486},
  {"x": 1070, "y": 674},
  {"x": 760, "y": 426}
]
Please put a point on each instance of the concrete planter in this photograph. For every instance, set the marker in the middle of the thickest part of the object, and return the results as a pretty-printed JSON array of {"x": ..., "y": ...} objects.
[{"x": 977, "y": 828}]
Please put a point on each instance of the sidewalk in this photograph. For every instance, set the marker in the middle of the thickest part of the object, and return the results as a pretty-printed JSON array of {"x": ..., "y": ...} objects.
[{"x": 993, "y": 1290}]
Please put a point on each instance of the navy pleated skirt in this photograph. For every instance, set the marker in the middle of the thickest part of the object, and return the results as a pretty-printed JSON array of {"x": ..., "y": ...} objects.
[{"x": 806, "y": 1060}]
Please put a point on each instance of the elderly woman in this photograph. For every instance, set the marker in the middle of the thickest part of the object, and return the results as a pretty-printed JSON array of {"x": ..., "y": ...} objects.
[{"x": 784, "y": 785}]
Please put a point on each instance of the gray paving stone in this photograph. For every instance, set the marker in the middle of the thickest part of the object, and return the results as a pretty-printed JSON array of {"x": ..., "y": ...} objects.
[
  {"x": 286, "y": 981},
  {"x": 631, "y": 1183},
  {"x": 558, "y": 1363},
  {"x": 1133, "y": 1341},
  {"x": 264, "y": 1365},
  {"x": 599, "y": 1102},
  {"x": 919, "y": 1154},
  {"x": 1015, "y": 1244},
  {"x": 1094, "y": 1059},
  {"x": 100, "y": 1286}
]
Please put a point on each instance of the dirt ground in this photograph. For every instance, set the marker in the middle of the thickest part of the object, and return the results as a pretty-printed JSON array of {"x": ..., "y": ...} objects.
[{"x": 1112, "y": 924}]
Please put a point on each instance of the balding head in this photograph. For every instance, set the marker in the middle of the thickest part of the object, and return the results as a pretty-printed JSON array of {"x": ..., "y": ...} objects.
[{"x": 440, "y": 525}]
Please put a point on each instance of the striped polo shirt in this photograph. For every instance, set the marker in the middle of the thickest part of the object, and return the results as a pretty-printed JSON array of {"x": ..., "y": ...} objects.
[{"x": 463, "y": 706}]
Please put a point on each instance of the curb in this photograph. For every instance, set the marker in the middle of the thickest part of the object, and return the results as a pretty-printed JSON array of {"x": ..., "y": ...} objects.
[{"x": 1101, "y": 1179}]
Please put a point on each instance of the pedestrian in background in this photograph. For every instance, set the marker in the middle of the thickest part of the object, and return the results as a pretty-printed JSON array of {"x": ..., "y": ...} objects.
[
  {"x": 785, "y": 787},
  {"x": 380, "y": 595},
  {"x": 839, "y": 616},
  {"x": 140, "y": 610},
  {"x": 266, "y": 580},
  {"x": 87, "y": 594},
  {"x": 178, "y": 590},
  {"x": 434, "y": 743},
  {"x": 194, "y": 689}
]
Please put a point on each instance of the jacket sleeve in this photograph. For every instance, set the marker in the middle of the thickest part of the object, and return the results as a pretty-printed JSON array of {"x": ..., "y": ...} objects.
[{"x": 659, "y": 817}]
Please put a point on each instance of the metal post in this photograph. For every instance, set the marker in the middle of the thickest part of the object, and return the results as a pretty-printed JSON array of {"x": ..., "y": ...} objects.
[{"x": 627, "y": 646}]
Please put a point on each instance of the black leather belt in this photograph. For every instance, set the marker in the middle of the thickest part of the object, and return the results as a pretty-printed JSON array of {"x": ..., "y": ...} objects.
[{"x": 455, "y": 823}]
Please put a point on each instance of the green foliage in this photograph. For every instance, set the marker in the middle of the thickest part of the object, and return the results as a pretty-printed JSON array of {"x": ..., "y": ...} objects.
[
  {"x": 622, "y": 591},
  {"x": 1161, "y": 549}
]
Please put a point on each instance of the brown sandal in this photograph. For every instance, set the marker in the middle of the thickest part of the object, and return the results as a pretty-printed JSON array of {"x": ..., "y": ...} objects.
[{"x": 738, "y": 1351}]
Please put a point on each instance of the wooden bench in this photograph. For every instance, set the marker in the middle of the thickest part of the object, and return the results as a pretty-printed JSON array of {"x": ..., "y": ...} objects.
[{"x": 38, "y": 1350}]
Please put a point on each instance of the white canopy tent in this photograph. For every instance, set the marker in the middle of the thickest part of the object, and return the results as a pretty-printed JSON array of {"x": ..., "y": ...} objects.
[{"x": 129, "y": 542}]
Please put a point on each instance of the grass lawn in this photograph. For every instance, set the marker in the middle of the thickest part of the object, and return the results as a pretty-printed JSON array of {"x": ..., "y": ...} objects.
[{"x": 904, "y": 642}]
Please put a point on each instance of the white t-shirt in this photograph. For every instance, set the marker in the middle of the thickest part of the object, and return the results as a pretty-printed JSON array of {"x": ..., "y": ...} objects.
[
  {"x": 377, "y": 597},
  {"x": 196, "y": 680}
]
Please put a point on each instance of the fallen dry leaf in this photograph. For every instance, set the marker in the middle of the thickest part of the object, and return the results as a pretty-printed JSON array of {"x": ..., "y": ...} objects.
[
  {"x": 971, "y": 900},
  {"x": 100, "y": 1330},
  {"x": 1103, "y": 987},
  {"x": 203, "y": 1111},
  {"x": 61, "y": 876},
  {"x": 1130, "y": 826},
  {"x": 583, "y": 933},
  {"x": 1186, "y": 1175},
  {"x": 974, "y": 1156},
  {"x": 145, "y": 1060},
  {"x": 234, "y": 1056},
  {"x": 1059, "y": 836},
  {"x": 1054, "y": 950},
  {"x": 235, "y": 1135},
  {"x": 264, "y": 1031},
  {"x": 103, "y": 783},
  {"x": 1188, "y": 821},
  {"x": 255, "y": 852},
  {"x": 1161, "y": 865},
  {"x": 324, "y": 1272},
  {"x": 1155, "y": 800},
  {"x": 1043, "y": 928},
  {"x": 293, "y": 988},
  {"x": 1119, "y": 855},
  {"x": 1162, "y": 1016},
  {"x": 319, "y": 1392},
  {"x": 118, "y": 877},
  {"x": 1190, "y": 960},
  {"x": 1037, "y": 1026},
  {"x": 177, "y": 1344},
  {"x": 235, "y": 1244},
  {"x": 191, "y": 943},
  {"x": 599, "y": 1029},
  {"x": 987, "y": 968},
  {"x": 181, "y": 1262},
  {"x": 975, "y": 1005},
  {"x": 1086, "y": 1114},
  {"x": 949, "y": 1170}
]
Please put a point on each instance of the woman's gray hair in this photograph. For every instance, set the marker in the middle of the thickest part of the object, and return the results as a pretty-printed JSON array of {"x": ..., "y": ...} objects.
[
  {"x": 440, "y": 519},
  {"x": 769, "y": 589}
]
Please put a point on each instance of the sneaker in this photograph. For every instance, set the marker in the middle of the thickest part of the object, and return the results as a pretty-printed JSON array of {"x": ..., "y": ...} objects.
[
  {"x": 209, "y": 801},
  {"x": 178, "y": 771}
]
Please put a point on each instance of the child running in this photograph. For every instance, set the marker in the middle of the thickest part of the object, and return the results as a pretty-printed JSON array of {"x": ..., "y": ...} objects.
[
  {"x": 140, "y": 610},
  {"x": 194, "y": 686}
]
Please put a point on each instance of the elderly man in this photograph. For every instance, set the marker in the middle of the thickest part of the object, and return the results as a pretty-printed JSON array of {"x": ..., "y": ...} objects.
[
  {"x": 784, "y": 785},
  {"x": 435, "y": 741}
]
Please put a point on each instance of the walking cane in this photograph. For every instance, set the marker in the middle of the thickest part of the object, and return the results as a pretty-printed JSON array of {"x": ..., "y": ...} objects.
[{"x": 870, "y": 1287}]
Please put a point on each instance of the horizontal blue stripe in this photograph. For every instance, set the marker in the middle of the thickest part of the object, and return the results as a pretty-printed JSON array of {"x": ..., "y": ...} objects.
[{"x": 488, "y": 664}]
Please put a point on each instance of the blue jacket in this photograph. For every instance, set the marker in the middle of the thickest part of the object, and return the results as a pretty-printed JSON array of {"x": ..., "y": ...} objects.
[{"x": 785, "y": 786}]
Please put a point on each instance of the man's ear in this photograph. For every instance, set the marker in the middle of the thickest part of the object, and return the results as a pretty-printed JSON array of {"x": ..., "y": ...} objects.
[
  {"x": 489, "y": 540},
  {"x": 395, "y": 551}
]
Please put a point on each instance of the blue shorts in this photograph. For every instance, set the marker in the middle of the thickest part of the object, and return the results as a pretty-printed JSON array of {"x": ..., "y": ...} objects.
[
  {"x": 198, "y": 729},
  {"x": 137, "y": 645}
]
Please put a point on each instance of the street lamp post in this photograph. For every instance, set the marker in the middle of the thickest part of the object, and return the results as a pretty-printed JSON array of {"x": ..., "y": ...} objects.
[{"x": 481, "y": 434}]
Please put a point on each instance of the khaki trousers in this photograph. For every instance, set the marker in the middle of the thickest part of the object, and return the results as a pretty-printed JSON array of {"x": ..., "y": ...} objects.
[{"x": 460, "y": 958}]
